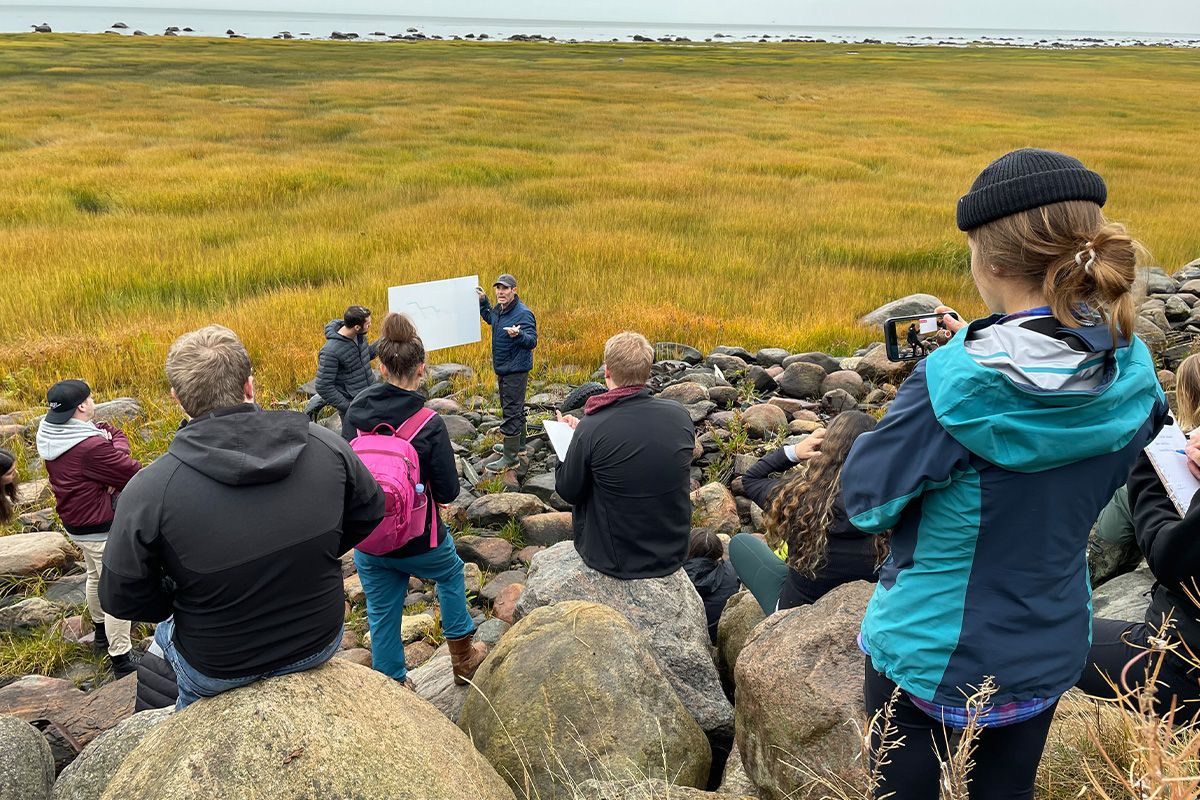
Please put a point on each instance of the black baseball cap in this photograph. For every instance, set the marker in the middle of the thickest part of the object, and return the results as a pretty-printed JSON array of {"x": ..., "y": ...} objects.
[
  {"x": 506, "y": 280},
  {"x": 63, "y": 398}
]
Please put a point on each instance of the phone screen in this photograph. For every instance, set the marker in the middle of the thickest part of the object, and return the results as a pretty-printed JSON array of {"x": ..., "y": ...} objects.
[{"x": 911, "y": 338}]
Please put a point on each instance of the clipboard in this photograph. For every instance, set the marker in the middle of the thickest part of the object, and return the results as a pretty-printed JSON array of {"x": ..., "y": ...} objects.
[
  {"x": 1172, "y": 468},
  {"x": 560, "y": 434}
]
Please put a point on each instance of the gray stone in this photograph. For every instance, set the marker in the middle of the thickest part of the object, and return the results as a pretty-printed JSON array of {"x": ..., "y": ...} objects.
[
  {"x": 435, "y": 373},
  {"x": 724, "y": 396},
  {"x": 697, "y": 412},
  {"x": 770, "y": 356},
  {"x": 1188, "y": 272},
  {"x": 490, "y": 631},
  {"x": 547, "y": 529},
  {"x": 729, "y": 365},
  {"x": 1177, "y": 309},
  {"x": 673, "y": 351},
  {"x": 491, "y": 553},
  {"x": 1125, "y": 596},
  {"x": 824, "y": 360},
  {"x": 913, "y": 304},
  {"x": 668, "y": 612},
  {"x": 877, "y": 367},
  {"x": 26, "y": 764},
  {"x": 763, "y": 421},
  {"x": 68, "y": 591},
  {"x": 119, "y": 411},
  {"x": 742, "y": 613},
  {"x": 846, "y": 379},
  {"x": 801, "y": 379},
  {"x": 87, "y": 776},
  {"x": 837, "y": 401},
  {"x": 435, "y": 683},
  {"x": 492, "y": 589},
  {"x": 1150, "y": 334},
  {"x": 30, "y": 613},
  {"x": 643, "y": 789},
  {"x": 736, "y": 352},
  {"x": 761, "y": 379},
  {"x": 543, "y": 487},
  {"x": 1158, "y": 316},
  {"x": 1159, "y": 282},
  {"x": 459, "y": 427},
  {"x": 686, "y": 392},
  {"x": 497, "y": 509}
]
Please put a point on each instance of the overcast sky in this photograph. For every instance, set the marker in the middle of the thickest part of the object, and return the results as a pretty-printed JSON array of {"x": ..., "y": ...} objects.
[{"x": 1147, "y": 16}]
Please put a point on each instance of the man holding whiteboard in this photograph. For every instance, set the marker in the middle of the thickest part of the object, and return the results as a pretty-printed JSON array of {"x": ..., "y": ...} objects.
[{"x": 514, "y": 335}]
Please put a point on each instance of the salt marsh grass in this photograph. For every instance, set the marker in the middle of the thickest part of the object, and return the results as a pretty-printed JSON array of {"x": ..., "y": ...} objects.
[{"x": 758, "y": 195}]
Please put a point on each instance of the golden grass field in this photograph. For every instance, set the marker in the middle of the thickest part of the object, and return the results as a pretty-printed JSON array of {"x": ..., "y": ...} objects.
[{"x": 740, "y": 194}]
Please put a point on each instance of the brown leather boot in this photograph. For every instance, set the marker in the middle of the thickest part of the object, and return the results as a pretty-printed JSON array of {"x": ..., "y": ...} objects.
[{"x": 465, "y": 658}]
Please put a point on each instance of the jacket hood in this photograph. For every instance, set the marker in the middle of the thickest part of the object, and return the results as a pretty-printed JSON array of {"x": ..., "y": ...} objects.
[
  {"x": 331, "y": 330},
  {"x": 706, "y": 575},
  {"x": 55, "y": 439},
  {"x": 380, "y": 403},
  {"x": 1029, "y": 402},
  {"x": 244, "y": 446}
]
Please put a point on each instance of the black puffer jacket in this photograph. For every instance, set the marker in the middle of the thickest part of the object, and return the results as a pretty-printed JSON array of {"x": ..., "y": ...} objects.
[
  {"x": 156, "y": 686},
  {"x": 715, "y": 582},
  {"x": 343, "y": 367}
]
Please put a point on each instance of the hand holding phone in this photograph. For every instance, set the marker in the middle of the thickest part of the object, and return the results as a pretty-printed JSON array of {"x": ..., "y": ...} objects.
[{"x": 915, "y": 336}]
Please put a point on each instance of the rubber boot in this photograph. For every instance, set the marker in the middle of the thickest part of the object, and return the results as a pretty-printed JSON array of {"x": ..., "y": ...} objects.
[
  {"x": 465, "y": 658},
  {"x": 509, "y": 459},
  {"x": 498, "y": 449},
  {"x": 100, "y": 645}
]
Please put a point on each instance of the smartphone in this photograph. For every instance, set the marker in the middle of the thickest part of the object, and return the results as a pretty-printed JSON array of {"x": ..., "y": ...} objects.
[{"x": 916, "y": 336}]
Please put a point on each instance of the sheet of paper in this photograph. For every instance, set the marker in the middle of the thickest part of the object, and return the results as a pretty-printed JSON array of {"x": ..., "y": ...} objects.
[
  {"x": 560, "y": 434},
  {"x": 1171, "y": 466},
  {"x": 446, "y": 313}
]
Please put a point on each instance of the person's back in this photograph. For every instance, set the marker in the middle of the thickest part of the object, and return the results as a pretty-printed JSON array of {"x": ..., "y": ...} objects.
[
  {"x": 628, "y": 475},
  {"x": 714, "y": 577},
  {"x": 238, "y": 530},
  {"x": 344, "y": 363}
]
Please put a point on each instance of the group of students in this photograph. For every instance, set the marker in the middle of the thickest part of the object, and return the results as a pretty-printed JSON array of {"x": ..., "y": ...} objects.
[{"x": 969, "y": 503}]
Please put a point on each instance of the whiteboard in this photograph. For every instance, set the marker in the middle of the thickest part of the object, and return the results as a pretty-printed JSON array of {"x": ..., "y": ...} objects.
[{"x": 446, "y": 313}]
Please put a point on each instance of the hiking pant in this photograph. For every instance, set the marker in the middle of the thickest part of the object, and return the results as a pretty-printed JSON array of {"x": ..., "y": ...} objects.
[
  {"x": 1114, "y": 644},
  {"x": 194, "y": 684},
  {"x": 117, "y": 630},
  {"x": 1006, "y": 757},
  {"x": 385, "y": 583},
  {"x": 512, "y": 402},
  {"x": 777, "y": 586}
]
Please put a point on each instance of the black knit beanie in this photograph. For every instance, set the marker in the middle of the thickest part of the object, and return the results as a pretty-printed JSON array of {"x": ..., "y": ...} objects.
[{"x": 1026, "y": 179}]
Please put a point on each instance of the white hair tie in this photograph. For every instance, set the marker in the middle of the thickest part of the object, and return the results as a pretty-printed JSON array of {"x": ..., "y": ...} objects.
[{"x": 1090, "y": 251}]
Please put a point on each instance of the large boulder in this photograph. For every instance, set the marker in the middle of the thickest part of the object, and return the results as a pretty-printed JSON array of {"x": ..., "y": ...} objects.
[
  {"x": 435, "y": 684},
  {"x": 666, "y": 610},
  {"x": 714, "y": 503},
  {"x": 119, "y": 411},
  {"x": 490, "y": 553},
  {"x": 799, "y": 684},
  {"x": 763, "y": 421},
  {"x": 741, "y": 615},
  {"x": 1125, "y": 596},
  {"x": 87, "y": 776},
  {"x": 905, "y": 306},
  {"x": 492, "y": 510},
  {"x": 877, "y": 367},
  {"x": 30, "y": 613},
  {"x": 801, "y": 379},
  {"x": 83, "y": 716},
  {"x": 687, "y": 392},
  {"x": 1150, "y": 334},
  {"x": 30, "y": 553},
  {"x": 340, "y": 730},
  {"x": 648, "y": 789},
  {"x": 26, "y": 765},
  {"x": 572, "y": 691}
]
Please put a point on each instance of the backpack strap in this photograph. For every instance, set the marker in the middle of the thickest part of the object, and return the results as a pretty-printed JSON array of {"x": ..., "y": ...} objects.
[{"x": 415, "y": 424}]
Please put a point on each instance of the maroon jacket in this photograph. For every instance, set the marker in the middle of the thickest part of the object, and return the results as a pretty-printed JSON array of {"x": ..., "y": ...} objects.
[{"x": 81, "y": 478}]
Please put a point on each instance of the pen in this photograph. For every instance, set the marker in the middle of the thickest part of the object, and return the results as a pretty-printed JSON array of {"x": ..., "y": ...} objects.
[{"x": 1181, "y": 452}]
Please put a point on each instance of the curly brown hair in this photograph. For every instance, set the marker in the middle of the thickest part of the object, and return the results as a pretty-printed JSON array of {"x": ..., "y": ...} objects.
[{"x": 801, "y": 508}]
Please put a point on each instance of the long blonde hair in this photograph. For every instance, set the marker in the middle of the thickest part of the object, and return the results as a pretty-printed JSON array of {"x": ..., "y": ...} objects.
[{"x": 1187, "y": 393}]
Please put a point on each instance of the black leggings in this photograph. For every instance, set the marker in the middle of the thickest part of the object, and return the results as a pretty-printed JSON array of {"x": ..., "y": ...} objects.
[
  {"x": 1114, "y": 644},
  {"x": 1006, "y": 757}
]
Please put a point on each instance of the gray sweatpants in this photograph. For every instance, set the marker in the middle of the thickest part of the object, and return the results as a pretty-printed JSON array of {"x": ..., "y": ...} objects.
[{"x": 512, "y": 402}]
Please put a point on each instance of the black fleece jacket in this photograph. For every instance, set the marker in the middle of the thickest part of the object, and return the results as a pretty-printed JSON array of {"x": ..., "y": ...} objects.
[
  {"x": 385, "y": 403},
  {"x": 1172, "y": 548},
  {"x": 238, "y": 531},
  {"x": 628, "y": 475}
]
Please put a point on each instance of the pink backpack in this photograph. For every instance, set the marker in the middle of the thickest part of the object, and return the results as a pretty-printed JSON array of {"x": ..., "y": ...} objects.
[{"x": 392, "y": 461}]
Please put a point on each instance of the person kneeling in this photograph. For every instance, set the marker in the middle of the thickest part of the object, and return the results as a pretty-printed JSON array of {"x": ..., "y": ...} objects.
[
  {"x": 232, "y": 540},
  {"x": 396, "y": 405},
  {"x": 628, "y": 471}
]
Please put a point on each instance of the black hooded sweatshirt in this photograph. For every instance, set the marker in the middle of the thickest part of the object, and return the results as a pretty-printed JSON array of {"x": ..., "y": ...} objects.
[
  {"x": 716, "y": 581},
  {"x": 385, "y": 403},
  {"x": 238, "y": 530}
]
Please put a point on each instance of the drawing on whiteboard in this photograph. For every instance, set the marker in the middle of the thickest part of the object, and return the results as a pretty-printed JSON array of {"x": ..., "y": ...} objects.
[{"x": 445, "y": 313}]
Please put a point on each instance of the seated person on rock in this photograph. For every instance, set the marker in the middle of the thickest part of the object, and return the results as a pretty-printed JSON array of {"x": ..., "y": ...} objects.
[
  {"x": 393, "y": 402},
  {"x": 232, "y": 540},
  {"x": 806, "y": 518},
  {"x": 713, "y": 576},
  {"x": 1120, "y": 660},
  {"x": 628, "y": 471},
  {"x": 8, "y": 484}
]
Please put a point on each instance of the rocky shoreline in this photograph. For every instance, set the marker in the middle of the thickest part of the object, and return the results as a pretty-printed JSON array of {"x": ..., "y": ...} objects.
[
  {"x": 571, "y": 647},
  {"x": 411, "y": 34}
]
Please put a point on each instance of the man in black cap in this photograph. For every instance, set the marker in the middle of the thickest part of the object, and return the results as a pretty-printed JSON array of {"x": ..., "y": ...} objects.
[
  {"x": 514, "y": 335},
  {"x": 89, "y": 464}
]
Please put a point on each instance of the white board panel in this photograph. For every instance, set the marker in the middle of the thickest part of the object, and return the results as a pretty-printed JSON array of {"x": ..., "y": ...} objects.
[{"x": 446, "y": 313}]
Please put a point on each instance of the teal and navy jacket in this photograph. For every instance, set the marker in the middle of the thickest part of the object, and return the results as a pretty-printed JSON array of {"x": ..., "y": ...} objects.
[{"x": 990, "y": 468}]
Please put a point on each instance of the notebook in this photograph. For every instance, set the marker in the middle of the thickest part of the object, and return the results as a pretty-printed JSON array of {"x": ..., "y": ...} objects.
[{"x": 1171, "y": 466}]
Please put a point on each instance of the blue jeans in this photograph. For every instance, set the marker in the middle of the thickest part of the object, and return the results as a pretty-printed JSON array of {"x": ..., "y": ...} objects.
[
  {"x": 385, "y": 582},
  {"x": 194, "y": 684}
]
